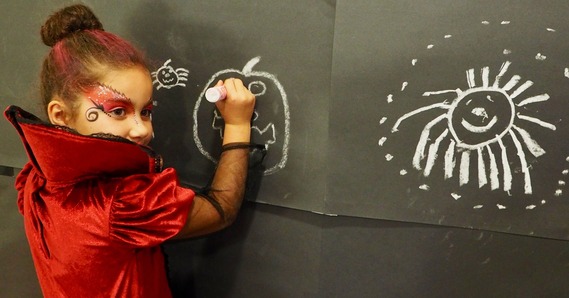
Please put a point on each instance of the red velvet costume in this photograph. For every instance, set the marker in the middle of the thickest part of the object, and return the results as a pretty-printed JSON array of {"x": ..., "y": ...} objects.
[{"x": 96, "y": 209}]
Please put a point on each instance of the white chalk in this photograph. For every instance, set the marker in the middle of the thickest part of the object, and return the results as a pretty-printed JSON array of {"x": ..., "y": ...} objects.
[{"x": 214, "y": 94}]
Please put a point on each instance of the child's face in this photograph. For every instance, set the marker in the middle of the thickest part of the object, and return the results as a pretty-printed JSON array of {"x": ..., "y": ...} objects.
[{"x": 120, "y": 104}]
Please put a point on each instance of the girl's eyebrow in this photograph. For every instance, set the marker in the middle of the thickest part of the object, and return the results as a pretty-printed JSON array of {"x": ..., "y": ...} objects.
[{"x": 115, "y": 95}]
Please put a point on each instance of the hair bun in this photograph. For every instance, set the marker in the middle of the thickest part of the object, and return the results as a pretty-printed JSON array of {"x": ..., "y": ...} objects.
[{"x": 68, "y": 21}]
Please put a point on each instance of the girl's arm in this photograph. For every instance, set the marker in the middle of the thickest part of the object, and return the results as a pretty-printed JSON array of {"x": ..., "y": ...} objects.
[{"x": 218, "y": 208}]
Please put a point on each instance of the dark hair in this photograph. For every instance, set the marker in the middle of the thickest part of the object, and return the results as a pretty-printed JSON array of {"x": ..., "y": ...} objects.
[{"x": 82, "y": 52}]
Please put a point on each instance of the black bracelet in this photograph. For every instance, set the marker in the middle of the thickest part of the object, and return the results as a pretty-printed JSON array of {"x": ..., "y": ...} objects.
[{"x": 238, "y": 145}]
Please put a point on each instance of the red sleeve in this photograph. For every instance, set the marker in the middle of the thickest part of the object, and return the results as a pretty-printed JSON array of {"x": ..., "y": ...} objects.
[
  {"x": 21, "y": 183},
  {"x": 149, "y": 209}
]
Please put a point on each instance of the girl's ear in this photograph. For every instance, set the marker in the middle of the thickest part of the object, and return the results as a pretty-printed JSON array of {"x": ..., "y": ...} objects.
[{"x": 58, "y": 112}]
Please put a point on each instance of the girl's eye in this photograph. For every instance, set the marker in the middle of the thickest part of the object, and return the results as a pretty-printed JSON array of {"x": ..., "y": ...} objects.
[
  {"x": 118, "y": 112},
  {"x": 146, "y": 113}
]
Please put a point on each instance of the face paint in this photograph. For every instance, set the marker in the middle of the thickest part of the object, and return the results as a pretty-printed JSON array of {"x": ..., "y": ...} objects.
[{"x": 109, "y": 101}]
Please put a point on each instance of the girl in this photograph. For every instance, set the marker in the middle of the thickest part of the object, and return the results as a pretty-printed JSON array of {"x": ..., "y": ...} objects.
[{"x": 95, "y": 201}]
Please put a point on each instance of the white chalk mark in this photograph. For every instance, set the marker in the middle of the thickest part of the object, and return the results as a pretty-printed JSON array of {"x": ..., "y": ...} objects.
[
  {"x": 464, "y": 174},
  {"x": 501, "y": 207},
  {"x": 523, "y": 163},
  {"x": 537, "y": 121},
  {"x": 558, "y": 192},
  {"x": 543, "y": 202},
  {"x": 561, "y": 183},
  {"x": 566, "y": 72},
  {"x": 429, "y": 93},
  {"x": 414, "y": 62},
  {"x": 441, "y": 105},
  {"x": 530, "y": 143},
  {"x": 506, "y": 167},
  {"x": 565, "y": 172},
  {"x": 531, "y": 207},
  {"x": 534, "y": 99},
  {"x": 383, "y": 119},
  {"x": 403, "y": 172},
  {"x": 479, "y": 129},
  {"x": 432, "y": 156},
  {"x": 420, "y": 149},
  {"x": 430, "y": 46},
  {"x": 424, "y": 187},
  {"x": 390, "y": 98},
  {"x": 507, "y": 52},
  {"x": 482, "y": 178},
  {"x": 567, "y": 158},
  {"x": 503, "y": 70},
  {"x": 450, "y": 161},
  {"x": 388, "y": 157},
  {"x": 485, "y": 76},
  {"x": 470, "y": 78},
  {"x": 521, "y": 89},
  {"x": 550, "y": 29},
  {"x": 448, "y": 36},
  {"x": 455, "y": 196},
  {"x": 382, "y": 141},
  {"x": 404, "y": 85},
  {"x": 512, "y": 83},
  {"x": 505, "y": 23},
  {"x": 540, "y": 57},
  {"x": 485, "y": 22},
  {"x": 478, "y": 207},
  {"x": 494, "y": 181}
]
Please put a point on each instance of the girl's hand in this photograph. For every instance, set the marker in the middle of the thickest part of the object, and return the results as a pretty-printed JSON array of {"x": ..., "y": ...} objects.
[{"x": 237, "y": 108}]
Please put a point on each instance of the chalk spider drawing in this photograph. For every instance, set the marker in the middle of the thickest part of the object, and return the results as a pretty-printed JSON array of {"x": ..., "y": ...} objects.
[
  {"x": 478, "y": 117},
  {"x": 168, "y": 77}
]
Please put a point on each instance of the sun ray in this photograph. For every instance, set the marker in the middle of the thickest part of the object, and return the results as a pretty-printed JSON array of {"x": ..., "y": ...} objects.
[
  {"x": 464, "y": 174},
  {"x": 442, "y": 105},
  {"x": 506, "y": 167},
  {"x": 531, "y": 144},
  {"x": 537, "y": 121},
  {"x": 432, "y": 156},
  {"x": 503, "y": 70},
  {"x": 470, "y": 78},
  {"x": 521, "y": 89},
  {"x": 494, "y": 181},
  {"x": 485, "y": 76},
  {"x": 523, "y": 163},
  {"x": 534, "y": 99},
  {"x": 450, "y": 162},
  {"x": 512, "y": 83},
  {"x": 420, "y": 150},
  {"x": 482, "y": 179}
]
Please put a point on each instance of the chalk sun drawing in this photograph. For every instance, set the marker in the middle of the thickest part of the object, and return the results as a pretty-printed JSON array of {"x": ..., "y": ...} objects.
[
  {"x": 168, "y": 77},
  {"x": 271, "y": 130},
  {"x": 483, "y": 115}
]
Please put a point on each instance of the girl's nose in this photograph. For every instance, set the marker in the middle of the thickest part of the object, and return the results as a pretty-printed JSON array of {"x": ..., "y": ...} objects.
[{"x": 140, "y": 130}]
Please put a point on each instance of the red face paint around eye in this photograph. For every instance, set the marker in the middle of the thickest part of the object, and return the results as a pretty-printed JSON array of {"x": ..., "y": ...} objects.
[{"x": 109, "y": 101}]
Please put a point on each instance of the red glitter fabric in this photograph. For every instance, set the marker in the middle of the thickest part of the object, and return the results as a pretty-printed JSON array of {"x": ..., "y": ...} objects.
[{"x": 96, "y": 209}]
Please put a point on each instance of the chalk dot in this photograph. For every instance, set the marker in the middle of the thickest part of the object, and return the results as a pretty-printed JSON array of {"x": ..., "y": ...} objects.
[
  {"x": 403, "y": 172},
  {"x": 424, "y": 187},
  {"x": 567, "y": 72},
  {"x": 567, "y": 159},
  {"x": 455, "y": 196},
  {"x": 550, "y": 29},
  {"x": 505, "y": 22},
  {"x": 448, "y": 36},
  {"x": 485, "y": 22},
  {"x": 388, "y": 157},
  {"x": 558, "y": 192},
  {"x": 404, "y": 85},
  {"x": 507, "y": 52},
  {"x": 531, "y": 207},
  {"x": 540, "y": 57},
  {"x": 565, "y": 172},
  {"x": 430, "y": 46},
  {"x": 383, "y": 119},
  {"x": 414, "y": 62},
  {"x": 501, "y": 207},
  {"x": 478, "y": 207},
  {"x": 382, "y": 141},
  {"x": 561, "y": 183},
  {"x": 390, "y": 98},
  {"x": 543, "y": 202}
]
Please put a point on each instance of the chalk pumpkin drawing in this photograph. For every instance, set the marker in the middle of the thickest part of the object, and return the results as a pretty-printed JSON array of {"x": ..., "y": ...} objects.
[
  {"x": 270, "y": 123},
  {"x": 168, "y": 77}
]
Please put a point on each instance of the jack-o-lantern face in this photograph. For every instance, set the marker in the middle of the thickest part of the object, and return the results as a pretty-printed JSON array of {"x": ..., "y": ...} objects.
[{"x": 270, "y": 123}]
